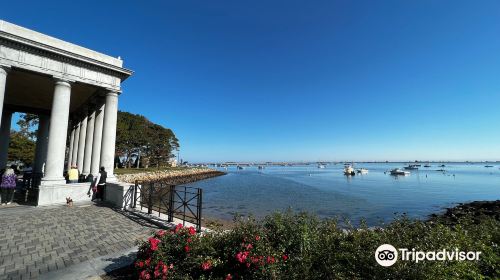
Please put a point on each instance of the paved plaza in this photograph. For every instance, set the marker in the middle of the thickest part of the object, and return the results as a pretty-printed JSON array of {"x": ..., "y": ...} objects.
[{"x": 55, "y": 242}]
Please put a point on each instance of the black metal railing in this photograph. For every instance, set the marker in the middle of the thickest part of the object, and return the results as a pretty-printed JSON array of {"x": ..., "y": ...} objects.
[{"x": 180, "y": 202}]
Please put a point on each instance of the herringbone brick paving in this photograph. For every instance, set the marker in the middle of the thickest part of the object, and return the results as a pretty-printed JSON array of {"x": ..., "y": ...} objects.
[{"x": 36, "y": 240}]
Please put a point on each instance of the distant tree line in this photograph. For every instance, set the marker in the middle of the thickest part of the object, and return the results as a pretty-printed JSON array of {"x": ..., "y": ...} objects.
[{"x": 139, "y": 142}]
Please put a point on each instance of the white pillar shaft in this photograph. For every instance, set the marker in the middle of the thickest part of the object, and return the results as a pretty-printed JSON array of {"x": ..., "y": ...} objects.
[
  {"x": 5, "y": 137},
  {"x": 81, "y": 143},
  {"x": 87, "y": 158},
  {"x": 74, "y": 157},
  {"x": 58, "y": 130},
  {"x": 109, "y": 133},
  {"x": 96, "y": 145},
  {"x": 71, "y": 144},
  {"x": 3, "y": 83},
  {"x": 41, "y": 143}
]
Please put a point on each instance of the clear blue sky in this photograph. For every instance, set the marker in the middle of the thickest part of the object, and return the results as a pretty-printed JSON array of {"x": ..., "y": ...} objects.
[{"x": 300, "y": 80}]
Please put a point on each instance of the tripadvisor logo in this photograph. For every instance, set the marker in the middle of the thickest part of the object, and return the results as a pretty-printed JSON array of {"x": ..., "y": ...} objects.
[{"x": 387, "y": 255}]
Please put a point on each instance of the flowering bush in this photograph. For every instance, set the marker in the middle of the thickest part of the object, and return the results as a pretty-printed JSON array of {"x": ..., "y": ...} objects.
[{"x": 300, "y": 246}]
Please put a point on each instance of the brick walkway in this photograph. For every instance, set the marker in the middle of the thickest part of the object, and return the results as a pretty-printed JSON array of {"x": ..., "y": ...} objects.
[{"x": 37, "y": 240}]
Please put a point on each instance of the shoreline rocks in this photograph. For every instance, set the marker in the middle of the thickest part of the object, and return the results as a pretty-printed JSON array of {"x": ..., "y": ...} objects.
[
  {"x": 174, "y": 177},
  {"x": 478, "y": 210}
]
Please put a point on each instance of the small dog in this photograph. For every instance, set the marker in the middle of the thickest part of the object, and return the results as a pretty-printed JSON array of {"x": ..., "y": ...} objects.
[{"x": 69, "y": 201}]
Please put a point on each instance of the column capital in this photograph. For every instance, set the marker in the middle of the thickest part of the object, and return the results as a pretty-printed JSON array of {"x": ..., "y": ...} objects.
[
  {"x": 113, "y": 93},
  {"x": 4, "y": 69},
  {"x": 63, "y": 81}
]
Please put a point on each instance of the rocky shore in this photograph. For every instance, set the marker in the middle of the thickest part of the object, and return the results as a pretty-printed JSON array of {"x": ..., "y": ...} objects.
[
  {"x": 477, "y": 210},
  {"x": 174, "y": 177}
]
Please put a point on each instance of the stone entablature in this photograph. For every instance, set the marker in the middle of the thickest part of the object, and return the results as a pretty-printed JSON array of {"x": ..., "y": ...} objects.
[{"x": 60, "y": 59}]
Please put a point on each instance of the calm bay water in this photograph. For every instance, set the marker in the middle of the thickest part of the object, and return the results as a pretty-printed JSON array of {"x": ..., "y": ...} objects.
[{"x": 375, "y": 196}]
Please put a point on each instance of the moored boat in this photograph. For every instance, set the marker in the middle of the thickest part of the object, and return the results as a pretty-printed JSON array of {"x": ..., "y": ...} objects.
[
  {"x": 362, "y": 171},
  {"x": 397, "y": 171},
  {"x": 349, "y": 171},
  {"x": 411, "y": 167}
]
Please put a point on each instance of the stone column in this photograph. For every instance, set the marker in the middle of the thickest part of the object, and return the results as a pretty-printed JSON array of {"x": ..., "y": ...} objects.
[
  {"x": 87, "y": 158},
  {"x": 81, "y": 142},
  {"x": 58, "y": 130},
  {"x": 109, "y": 133},
  {"x": 71, "y": 144},
  {"x": 5, "y": 137},
  {"x": 42, "y": 138},
  {"x": 96, "y": 145},
  {"x": 3, "y": 83},
  {"x": 74, "y": 157}
]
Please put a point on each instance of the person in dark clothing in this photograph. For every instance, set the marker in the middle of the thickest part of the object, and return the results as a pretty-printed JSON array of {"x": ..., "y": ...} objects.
[
  {"x": 101, "y": 183},
  {"x": 98, "y": 185}
]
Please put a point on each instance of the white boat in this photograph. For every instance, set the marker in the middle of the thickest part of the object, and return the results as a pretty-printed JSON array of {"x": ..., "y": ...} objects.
[
  {"x": 349, "y": 171},
  {"x": 362, "y": 171},
  {"x": 261, "y": 167},
  {"x": 397, "y": 171},
  {"x": 321, "y": 166}
]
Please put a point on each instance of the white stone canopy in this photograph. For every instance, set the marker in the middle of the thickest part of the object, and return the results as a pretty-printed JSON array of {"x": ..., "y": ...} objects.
[{"x": 73, "y": 90}]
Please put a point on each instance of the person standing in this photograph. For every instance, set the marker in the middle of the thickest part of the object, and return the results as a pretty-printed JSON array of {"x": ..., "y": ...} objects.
[
  {"x": 8, "y": 185},
  {"x": 101, "y": 183}
]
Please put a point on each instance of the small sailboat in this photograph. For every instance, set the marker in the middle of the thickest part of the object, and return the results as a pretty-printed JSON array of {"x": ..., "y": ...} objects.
[{"x": 239, "y": 167}]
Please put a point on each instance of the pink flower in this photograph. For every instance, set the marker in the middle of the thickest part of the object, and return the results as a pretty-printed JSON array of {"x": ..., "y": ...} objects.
[
  {"x": 144, "y": 275},
  {"x": 139, "y": 264},
  {"x": 229, "y": 277},
  {"x": 164, "y": 269},
  {"x": 153, "y": 242},
  {"x": 249, "y": 246},
  {"x": 241, "y": 257},
  {"x": 157, "y": 273},
  {"x": 192, "y": 231},
  {"x": 270, "y": 260},
  {"x": 257, "y": 237},
  {"x": 148, "y": 261},
  {"x": 189, "y": 240},
  {"x": 160, "y": 233},
  {"x": 187, "y": 249},
  {"x": 285, "y": 257},
  {"x": 206, "y": 265},
  {"x": 177, "y": 228}
]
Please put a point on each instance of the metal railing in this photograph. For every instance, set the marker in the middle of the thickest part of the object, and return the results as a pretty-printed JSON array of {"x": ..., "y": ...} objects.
[{"x": 184, "y": 203}]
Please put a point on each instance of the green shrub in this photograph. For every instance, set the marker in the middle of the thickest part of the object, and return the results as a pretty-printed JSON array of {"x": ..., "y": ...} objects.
[{"x": 301, "y": 246}]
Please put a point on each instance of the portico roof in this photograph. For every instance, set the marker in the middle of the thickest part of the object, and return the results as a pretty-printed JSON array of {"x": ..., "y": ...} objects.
[{"x": 28, "y": 37}]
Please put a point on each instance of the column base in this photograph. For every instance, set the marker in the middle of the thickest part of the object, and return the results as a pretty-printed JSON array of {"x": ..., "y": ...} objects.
[{"x": 53, "y": 181}]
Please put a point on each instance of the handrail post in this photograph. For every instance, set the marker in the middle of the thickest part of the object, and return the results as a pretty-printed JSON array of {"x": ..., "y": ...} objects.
[
  {"x": 198, "y": 220},
  {"x": 134, "y": 202},
  {"x": 171, "y": 203},
  {"x": 150, "y": 204}
]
